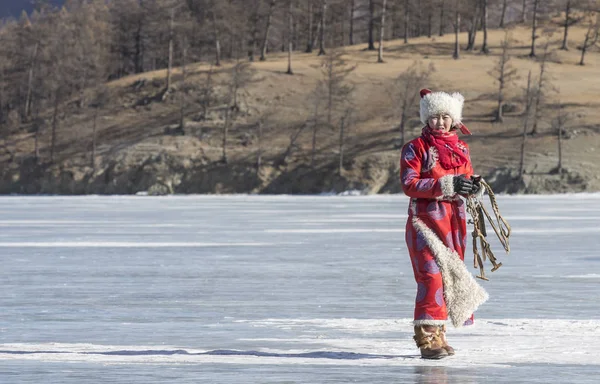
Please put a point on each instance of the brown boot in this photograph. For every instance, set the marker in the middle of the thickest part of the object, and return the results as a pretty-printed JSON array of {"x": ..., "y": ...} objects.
[
  {"x": 445, "y": 345},
  {"x": 428, "y": 339}
]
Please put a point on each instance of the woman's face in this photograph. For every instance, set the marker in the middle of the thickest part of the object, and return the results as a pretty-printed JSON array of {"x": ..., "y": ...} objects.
[{"x": 441, "y": 122}]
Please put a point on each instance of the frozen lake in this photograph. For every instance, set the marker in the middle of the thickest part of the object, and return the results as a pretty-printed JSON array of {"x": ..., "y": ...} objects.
[{"x": 281, "y": 289}]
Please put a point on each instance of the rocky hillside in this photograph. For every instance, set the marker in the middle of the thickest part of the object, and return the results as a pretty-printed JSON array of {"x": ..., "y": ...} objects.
[{"x": 141, "y": 147}]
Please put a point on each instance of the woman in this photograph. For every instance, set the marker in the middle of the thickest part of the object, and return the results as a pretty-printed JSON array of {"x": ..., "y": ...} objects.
[{"x": 435, "y": 172}]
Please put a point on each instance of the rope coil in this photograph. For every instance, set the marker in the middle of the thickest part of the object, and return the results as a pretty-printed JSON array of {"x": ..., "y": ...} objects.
[{"x": 479, "y": 215}]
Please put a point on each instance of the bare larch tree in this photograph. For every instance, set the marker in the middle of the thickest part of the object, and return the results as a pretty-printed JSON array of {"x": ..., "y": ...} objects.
[
  {"x": 290, "y": 35},
  {"x": 559, "y": 123},
  {"x": 456, "y": 54},
  {"x": 484, "y": 21},
  {"x": 381, "y": 32},
  {"x": 526, "y": 116},
  {"x": 371, "y": 28},
  {"x": 591, "y": 36},
  {"x": 241, "y": 74},
  {"x": 544, "y": 86},
  {"x": 265, "y": 40},
  {"x": 504, "y": 73},
  {"x": 534, "y": 20},
  {"x": 503, "y": 13},
  {"x": 322, "y": 25}
]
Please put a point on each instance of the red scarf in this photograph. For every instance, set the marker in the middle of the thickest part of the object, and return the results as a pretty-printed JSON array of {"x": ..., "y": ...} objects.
[{"x": 446, "y": 143}]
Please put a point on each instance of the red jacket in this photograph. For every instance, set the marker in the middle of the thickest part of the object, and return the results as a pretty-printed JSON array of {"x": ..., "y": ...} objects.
[{"x": 422, "y": 177}]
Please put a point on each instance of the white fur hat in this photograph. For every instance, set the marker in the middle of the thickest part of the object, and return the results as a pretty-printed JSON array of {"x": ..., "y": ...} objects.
[{"x": 435, "y": 103}]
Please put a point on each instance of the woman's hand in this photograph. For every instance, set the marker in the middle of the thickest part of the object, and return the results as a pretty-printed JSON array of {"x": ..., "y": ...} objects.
[
  {"x": 462, "y": 185},
  {"x": 476, "y": 179}
]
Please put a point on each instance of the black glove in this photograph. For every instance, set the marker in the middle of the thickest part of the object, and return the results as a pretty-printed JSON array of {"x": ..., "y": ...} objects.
[
  {"x": 462, "y": 185},
  {"x": 476, "y": 184}
]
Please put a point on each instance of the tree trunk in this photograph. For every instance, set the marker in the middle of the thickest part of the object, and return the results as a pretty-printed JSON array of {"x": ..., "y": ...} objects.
[
  {"x": 309, "y": 42},
  {"x": 539, "y": 90},
  {"x": 317, "y": 34},
  {"x": 254, "y": 33},
  {"x": 139, "y": 50},
  {"x": 393, "y": 20},
  {"x": 429, "y": 23},
  {"x": 233, "y": 52},
  {"x": 406, "y": 17},
  {"x": 583, "y": 49},
  {"x": 295, "y": 34},
  {"x": 564, "y": 45},
  {"x": 36, "y": 143},
  {"x": 54, "y": 127},
  {"x": 293, "y": 139},
  {"x": 82, "y": 87},
  {"x": 259, "y": 150},
  {"x": 263, "y": 51},
  {"x": 591, "y": 37},
  {"x": 217, "y": 41},
  {"x": 322, "y": 31},
  {"x": 207, "y": 93},
  {"x": 560, "y": 129},
  {"x": 484, "y": 47},
  {"x": 499, "y": 116},
  {"x": 224, "y": 159},
  {"x": 330, "y": 91},
  {"x": 290, "y": 36},
  {"x": 456, "y": 55},
  {"x": 183, "y": 86},
  {"x": 371, "y": 46},
  {"x": 501, "y": 81},
  {"x": 473, "y": 29},
  {"x": 36, "y": 137},
  {"x": 341, "y": 164},
  {"x": 30, "y": 80},
  {"x": 314, "y": 133},
  {"x": 589, "y": 41},
  {"x": 343, "y": 29},
  {"x": 351, "y": 37},
  {"x": 525, "y": 124},
  {"x": 419, "y": 23},
  {"x": 381, "y": 33},
  {"x": 170, "y": 64},
  {"x": 503, "y": 15},
  {"x": 533, "y": 28},
  {"x": 442, "y": 18},
  {"x": 2, "y": 91},
  {"x": 524, "y": 12},
  {"x": 314, "y": 146},
  {"x": 93, "y": 156}
]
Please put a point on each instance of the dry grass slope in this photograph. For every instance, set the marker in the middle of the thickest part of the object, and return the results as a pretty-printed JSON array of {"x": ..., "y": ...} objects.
[{"x": 130, "y": 126}]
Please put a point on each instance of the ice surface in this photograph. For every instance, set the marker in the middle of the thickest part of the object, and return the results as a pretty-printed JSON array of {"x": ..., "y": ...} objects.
[{"x": 281, "y": 289}]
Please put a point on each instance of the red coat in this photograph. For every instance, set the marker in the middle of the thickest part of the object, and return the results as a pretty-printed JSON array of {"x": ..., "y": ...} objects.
[{"x": 435, "y": 214}]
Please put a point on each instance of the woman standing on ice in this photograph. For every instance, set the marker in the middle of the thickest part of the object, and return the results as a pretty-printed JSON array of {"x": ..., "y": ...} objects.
[{"x": 435, "y": 172}]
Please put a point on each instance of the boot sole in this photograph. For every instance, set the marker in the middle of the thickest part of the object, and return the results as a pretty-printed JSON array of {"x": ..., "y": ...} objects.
[{"x": 434, "y": 357}]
